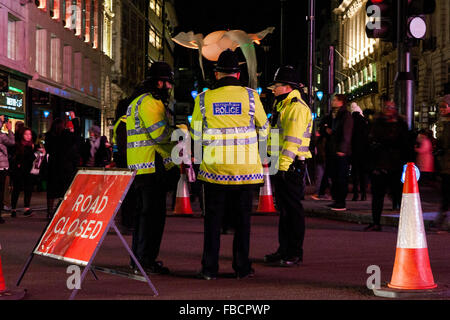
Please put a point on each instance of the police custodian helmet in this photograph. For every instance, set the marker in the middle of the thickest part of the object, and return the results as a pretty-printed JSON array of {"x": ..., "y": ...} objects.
[
  {"x": 228, "y": 62},
  {"x": 161, "y": 71},
  {"x": 287, "y": 75}
]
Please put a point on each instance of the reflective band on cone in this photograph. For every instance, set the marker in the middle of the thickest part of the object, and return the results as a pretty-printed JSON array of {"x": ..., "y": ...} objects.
[
  {"x": 183, "y": 201},
  {"x": 2, "y": 279},
  {"x": 412, "y": 269},
  {"x": 265, "y": 195}
]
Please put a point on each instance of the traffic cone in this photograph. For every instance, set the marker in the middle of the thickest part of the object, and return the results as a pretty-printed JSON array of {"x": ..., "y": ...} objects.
[
  {"x": 412, "y": 269},
  {"x": 183, "y": 201},
  {"x": 6, "y": 294},
  {"x": 265, "y": 204}
]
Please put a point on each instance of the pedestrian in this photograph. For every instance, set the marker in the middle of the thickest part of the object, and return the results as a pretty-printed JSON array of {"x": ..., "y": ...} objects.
[
  {"x": 443, "y": 155},
  {"x": 321, "y": 173},
  {"x": 339, "y": 148},
  {"x": 21, "y": 166},
  {"x": 227, "y": 120},
  {"x": 360, "y": 138},
  {"x": 388, "y": 152},
  {"x": 293, "y": 118},
  {"x": 63, "y": 157},
  {"x": 424, "y": 156},
  {"x": 95, "y": 150},
  {"x": 6, "y": 140},
  {"x": 149, "y": 153}
]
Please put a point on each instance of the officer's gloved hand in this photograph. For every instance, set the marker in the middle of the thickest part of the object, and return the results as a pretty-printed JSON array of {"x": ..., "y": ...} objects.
[{"x": 281, "y": 175}]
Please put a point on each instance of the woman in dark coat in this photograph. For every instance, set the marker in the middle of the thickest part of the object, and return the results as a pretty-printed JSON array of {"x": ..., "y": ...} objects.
[
  {"x": 21, "y": 164},
  {"x": 96, "y": 150},
  {"x": 62, "y": 147}
]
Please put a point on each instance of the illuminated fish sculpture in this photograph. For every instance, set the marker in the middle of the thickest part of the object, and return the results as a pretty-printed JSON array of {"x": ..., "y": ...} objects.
[{"x": 214, "y": 43}]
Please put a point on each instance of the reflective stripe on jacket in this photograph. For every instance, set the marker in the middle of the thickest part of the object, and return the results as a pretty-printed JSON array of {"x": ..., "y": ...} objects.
[
  {"x": 228, "y": 120},
  {"x": 148, "y": 131},
  {"x": 295, "y": 126}
]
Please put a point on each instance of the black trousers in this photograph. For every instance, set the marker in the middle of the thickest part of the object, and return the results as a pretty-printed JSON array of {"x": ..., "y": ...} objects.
[
  {"x": 382, "y": 182},
  {"x": 21, "y": 181},
  {"x": 150, "y": 218},
  {"x": 359, "y": 176},
  {"x": 339, "y": 178},
  {"x": 216, "y": 197},
  {"x": 291, "y": 227},
  {"x": 3, "y": 175}
]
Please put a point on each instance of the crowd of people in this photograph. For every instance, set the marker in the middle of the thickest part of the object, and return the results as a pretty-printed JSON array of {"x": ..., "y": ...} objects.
[
  {"x": 369, "y": 152},
  {"x": 26, "y": 161}
]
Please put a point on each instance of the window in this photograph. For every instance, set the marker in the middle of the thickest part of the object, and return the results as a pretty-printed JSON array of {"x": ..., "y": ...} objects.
[
  {"x": 12, "y": 38},
  {"x": 67, "y": 65},
  {"x": 156, "y": 7},
  {"x": 41, "y": 51},
  {"x": 55, "y": 58},
  {"x": 78, "y": 70},
  {"x": 54, "y": 6},
  {"x": 155, "y": 38}
]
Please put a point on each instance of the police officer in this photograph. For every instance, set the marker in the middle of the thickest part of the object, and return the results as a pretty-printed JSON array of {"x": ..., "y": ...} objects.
[
  {"x": 148, "y": 152},
  {"x": 292, "y": 117},
  {"x": 227, "y": 121}
]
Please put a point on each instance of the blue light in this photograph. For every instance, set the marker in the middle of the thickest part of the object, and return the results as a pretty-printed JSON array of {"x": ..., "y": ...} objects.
[
  {"x": 319, "y": 95},
  {"x": 259, "y": 90},
  {"x": 189, "y": 119},
  {"x": 46, "y": 114},
  {"x": 269, "y": 115},
  {"x": 204, "y": 89},
  {"x": 194, "y": 94},
  {"x": 314, "y": 116},
  {"x": 404, "y": 172}
]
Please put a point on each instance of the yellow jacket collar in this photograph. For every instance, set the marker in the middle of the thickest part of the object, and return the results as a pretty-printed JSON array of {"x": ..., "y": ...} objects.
[{"x": 293, "y": 94}]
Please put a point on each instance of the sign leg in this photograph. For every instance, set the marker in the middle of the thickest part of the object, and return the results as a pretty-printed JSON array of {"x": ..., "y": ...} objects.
[{"x": 134, "y": 259}]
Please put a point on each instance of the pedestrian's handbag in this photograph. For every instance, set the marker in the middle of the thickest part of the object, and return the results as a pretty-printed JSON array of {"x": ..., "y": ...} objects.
[{"x": 37, "y": 163}]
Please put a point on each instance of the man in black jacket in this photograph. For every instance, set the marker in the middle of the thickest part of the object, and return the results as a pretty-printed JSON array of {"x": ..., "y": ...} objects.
[{"x": 339, "y": 149}]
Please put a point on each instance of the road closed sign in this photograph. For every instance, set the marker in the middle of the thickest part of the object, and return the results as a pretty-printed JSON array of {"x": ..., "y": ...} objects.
[{"x": 84, "y": 216}]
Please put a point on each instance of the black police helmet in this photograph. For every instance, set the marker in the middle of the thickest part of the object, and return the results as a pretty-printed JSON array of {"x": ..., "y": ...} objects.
[
  {"x": 161, "y": 71},
  {"x": 228, "y": 62},
  {"x": 287, "y": 75}
]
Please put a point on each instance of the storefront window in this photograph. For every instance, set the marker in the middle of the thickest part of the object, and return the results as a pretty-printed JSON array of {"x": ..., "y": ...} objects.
[{"x": 12, "y": 102}]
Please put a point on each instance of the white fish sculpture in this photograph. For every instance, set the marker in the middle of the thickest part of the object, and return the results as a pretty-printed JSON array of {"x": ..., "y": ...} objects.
[{"x": 216, "y": 42}]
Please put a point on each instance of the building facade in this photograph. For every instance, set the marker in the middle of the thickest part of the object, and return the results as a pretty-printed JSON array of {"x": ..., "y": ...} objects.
[
  {"x": 366, "y": 68},
  {"x": 55, "y": 47}
]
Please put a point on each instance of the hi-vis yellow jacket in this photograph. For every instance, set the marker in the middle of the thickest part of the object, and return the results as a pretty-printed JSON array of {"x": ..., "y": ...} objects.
[
  {"x": 148, "y": 131},
  {"x": 295, "y": 125},
  {"x": 227, "y": 121}
]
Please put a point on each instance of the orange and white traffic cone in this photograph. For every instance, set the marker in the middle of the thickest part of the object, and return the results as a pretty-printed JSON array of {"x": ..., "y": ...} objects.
[
  {"x": 183, "y": 201},
  {"x": 6, "y": 294},
  {"x": 412, "y": 269},
  {"x": 265, "y": 204}
]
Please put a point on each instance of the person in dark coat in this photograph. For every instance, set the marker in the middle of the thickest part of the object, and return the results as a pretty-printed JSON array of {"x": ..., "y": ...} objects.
[
  {"x": 63, "y": 150},
  {"x": 359, "y": 152},
  {"x": 21, "y": 165},
  {"x": 95, "y": 150},
  {"x": 339, "y": 150},
  {"x": 389, "y": 151}
]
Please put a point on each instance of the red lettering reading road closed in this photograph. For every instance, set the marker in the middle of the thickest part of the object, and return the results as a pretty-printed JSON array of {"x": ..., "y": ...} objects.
[{"x": 83, "y": 217}]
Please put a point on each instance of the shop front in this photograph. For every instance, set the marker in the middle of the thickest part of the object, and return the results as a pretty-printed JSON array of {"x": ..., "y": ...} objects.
[{"x": 12, "y": 97}]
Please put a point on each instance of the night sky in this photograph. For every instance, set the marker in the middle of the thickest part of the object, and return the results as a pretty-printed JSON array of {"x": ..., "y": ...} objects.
[{"x": 205, "y": 16}]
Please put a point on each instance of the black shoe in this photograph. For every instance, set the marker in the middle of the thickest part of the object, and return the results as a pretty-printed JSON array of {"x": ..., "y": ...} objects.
[
  {"x": 28, "y": 213},
  {"x": 249, "y": 274},
  {"x": 273, "y": 257},
  {"x": 155, "y": 268},
  {"x": 13, "y": 213},
  {"x": 338, "y": 207},
  {"x": 2, "y": 220},
  {"x": 290, "y": 262},
  {"x": 205, "y": 276},
  {"x": 373, "y": 227}
]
